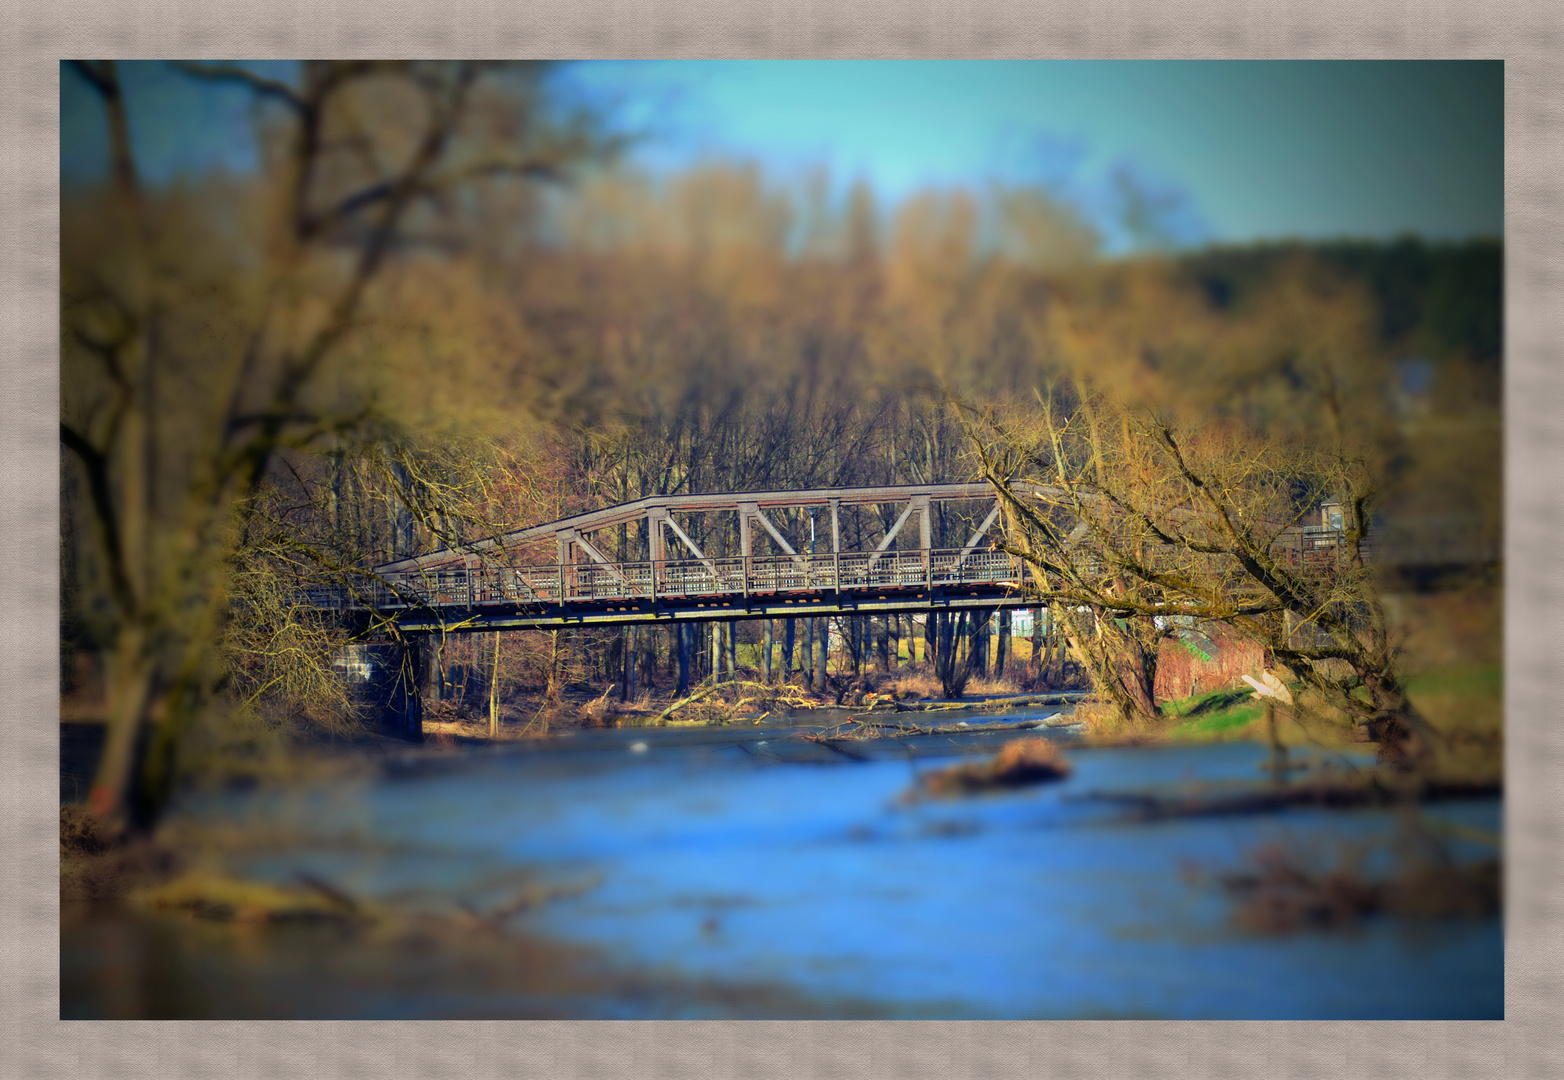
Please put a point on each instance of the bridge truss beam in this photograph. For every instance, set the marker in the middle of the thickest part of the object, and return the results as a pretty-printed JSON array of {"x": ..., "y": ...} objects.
[
  {"x": 646, "y": 613},
  {"x": 654, "y": 513}
]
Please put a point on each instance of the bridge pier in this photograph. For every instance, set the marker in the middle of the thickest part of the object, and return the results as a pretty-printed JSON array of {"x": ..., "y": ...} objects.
[{"x": 404, "y": 712}]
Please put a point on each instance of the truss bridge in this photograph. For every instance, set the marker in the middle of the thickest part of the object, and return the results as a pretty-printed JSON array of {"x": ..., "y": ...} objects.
[
  {"x": 755, "y": 555},
  {"x": 744, "y": 555}
]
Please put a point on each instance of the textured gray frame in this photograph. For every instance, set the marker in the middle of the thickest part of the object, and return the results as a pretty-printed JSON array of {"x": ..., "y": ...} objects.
[{"x": 1527, "y": 34}]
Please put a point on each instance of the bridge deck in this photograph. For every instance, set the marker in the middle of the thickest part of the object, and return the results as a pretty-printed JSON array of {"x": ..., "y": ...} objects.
[
  {"x": 576, "y": 594},
  {"x": 572, "y": 594}
]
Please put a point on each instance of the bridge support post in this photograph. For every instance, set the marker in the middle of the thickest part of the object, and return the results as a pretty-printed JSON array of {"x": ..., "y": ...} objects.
[
  {"x": 925, "y": 529},
  {"x": 656, "y": 548},
  {"x": 747, "y": 513},
  {"x": 434, "y": 680},
  {"x": 836, "y": 545},
  {"x": 405, "y": 709},
  {"x": 567, "y": 556}
]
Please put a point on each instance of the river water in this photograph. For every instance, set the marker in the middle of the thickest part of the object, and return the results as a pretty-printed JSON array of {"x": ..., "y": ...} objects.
[{"x": 747, "y": 874}]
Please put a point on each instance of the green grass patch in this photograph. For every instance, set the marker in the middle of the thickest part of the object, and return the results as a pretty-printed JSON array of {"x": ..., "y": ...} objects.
[
  {"x": 1226, "y": 722},
  {"x": 1215, "y": 701},
  {"x": 1214, "y": 714},
  {"x": 1457, "y": 699}
]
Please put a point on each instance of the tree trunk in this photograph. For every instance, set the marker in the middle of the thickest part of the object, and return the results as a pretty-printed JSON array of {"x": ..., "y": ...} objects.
[
  {"x": 681, "y": 638},
  {"x": 822, "y": 651},
  {"x": 1035, "y": 664},
  {"x": 494, "y": 690},
  {"x": 765, "y": 648},
  {"x": 882, "y": 642},
  {"x": 648, "y": 654},
  {"x": 551, "y": 691},
  {"x": 622, "y": 662},
  {"x": 434, "y": 657},
  {"x": 978, "y": 643},
  {"x": 128, "y": 689},
  {"x": 1116, "y": 661},
  {"x": 1278, "y": 751},
  {"x": 1139, "y": 670},
  {"x": 954, "y": 673},
  {"x": 789, "y": 632},
  {"x": 1057, "y": 639},
  {"x": 627, "y": 686},
  {"x": 1404, "y": 736},
  {"x": 808, "y": 664}
]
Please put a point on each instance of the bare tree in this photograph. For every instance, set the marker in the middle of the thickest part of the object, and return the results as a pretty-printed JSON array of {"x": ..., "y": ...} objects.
[
  {"x": 203, "y": 340},
  {"x": 1138, "y": 521}
]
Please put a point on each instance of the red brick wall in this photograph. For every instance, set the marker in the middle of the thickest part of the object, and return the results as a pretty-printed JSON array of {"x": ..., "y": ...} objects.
[{"x": 1182, "y": 674}]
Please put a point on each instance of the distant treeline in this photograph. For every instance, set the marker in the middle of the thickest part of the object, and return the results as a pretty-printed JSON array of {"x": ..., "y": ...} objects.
[{"x": 1433, "y": 298}]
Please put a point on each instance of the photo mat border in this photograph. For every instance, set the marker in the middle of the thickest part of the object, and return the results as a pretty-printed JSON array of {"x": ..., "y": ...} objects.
[{"x": 1526, "y": 34}]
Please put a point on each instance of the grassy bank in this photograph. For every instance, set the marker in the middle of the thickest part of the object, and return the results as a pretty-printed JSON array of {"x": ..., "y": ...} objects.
[
  {"x": 1219, "y": 714},
  {"x": 1463, "y": 702},
  {"x": 1453, "y": 666}
]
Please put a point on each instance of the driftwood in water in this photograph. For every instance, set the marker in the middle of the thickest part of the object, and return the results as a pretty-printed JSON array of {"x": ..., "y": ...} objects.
[
  {"x": 859, "y": 728},
  {"x": 1061, "y": 698},
  {"x": 1019, "y": 764},
  {"x": 892, "y": 705},
  {"x": 778, "y": 692}
]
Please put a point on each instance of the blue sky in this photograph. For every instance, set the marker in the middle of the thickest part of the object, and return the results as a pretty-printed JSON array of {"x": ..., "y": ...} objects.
[{"x": 1229, "y": 151}]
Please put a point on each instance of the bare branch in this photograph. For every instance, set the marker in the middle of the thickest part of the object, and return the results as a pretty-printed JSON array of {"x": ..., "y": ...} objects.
[{"x": 232, "y": 73}]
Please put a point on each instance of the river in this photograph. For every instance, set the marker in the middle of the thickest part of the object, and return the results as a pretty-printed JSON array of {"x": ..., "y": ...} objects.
[{"x": 743, "y": 873}]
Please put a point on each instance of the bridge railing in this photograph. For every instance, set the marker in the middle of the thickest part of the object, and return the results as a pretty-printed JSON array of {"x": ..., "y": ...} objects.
[
  {"x": 790, "y": 573},
  {"x": 678, "y": 578},
  {"x": 975, "y": 568}
]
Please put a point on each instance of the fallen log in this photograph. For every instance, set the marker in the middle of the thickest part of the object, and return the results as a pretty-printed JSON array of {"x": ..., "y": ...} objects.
[
  {"x": 904, "y": 728},
  {"x": 768, "y": 690},
  {"x": 1065, "y": 698},
  {"x": 1062, "y": 698}
]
